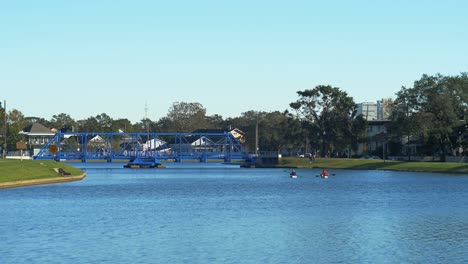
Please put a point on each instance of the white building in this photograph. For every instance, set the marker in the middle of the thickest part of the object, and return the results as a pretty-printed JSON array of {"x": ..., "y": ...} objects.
[
  {"x": 379, "y": 110},
  {"x": 384, "y": 108},
  {"x": 38, "y": 135},
  {"x": 368, "y": 110}
]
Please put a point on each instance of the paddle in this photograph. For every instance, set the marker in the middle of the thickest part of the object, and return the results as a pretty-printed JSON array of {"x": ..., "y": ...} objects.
[{"x": 333, "y": 174}]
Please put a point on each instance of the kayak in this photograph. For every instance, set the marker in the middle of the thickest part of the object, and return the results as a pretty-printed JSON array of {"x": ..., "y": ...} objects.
[{"x": 293, "y": 174}]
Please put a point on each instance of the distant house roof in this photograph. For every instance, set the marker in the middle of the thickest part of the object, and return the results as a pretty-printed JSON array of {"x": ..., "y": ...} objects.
[
  {"x": 97, "y": 139},
  {"x": 203, "y": 141},
  {"x": 239, "y": 134},
  {"x": 37, "y": 129},
  {"x": 157, "y": 144}
]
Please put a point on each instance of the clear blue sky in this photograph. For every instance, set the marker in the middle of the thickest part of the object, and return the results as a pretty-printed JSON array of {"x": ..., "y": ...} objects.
[{"x": 88, "y": 57}]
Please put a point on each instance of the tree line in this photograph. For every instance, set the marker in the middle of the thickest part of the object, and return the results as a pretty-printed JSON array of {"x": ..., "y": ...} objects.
[{"x": 432, "y": 114}]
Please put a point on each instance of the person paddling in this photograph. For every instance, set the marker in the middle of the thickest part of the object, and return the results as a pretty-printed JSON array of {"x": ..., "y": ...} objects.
[{"x": 324, "y": 173}]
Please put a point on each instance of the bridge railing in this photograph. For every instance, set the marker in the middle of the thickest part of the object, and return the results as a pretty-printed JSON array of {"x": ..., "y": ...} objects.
[{"x": 126, "y": 146}]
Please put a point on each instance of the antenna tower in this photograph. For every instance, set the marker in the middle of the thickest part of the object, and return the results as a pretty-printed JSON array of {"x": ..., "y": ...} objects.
[{"x": 146, "y": 116}]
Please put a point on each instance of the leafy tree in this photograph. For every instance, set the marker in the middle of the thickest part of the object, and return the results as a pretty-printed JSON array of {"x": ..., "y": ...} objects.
[
  {"x": 330, "y": 114},
  {"x": 432, "y": 111},
  {"x": 2, "y": 118},
  {"x": 356, "y": 132},
  {"x": 3, "y": 128},
  {"x": 273, "y": 129},
  {"x": 16, "y": 123},
  {"x": 276, "y": 130},
  {"x": 247, "y": 123},
  {"x": 145, "y": 125},
  {"x": 298, "y": 134},
  {"x": 99, "y": 123},
  {"x": 215, "y": 121},
  {"x": 184, "y": 117},
  {"x": 61, "y": 121},
  {"x": 164, "y": 124},
  {"x": 104, "y": 122},
  {"x": 122, "y": 124},
  {"x": 89, "y": 125},
  {"x": 33, "y": 119}
]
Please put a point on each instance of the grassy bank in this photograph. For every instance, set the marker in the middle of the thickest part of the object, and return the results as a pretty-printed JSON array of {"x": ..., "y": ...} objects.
[
  {"x": 17, "y": 170},
  {"x": 366, "y": 164}
]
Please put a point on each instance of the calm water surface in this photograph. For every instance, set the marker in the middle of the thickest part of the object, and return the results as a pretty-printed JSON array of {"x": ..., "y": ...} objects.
[{"x": 218, "y": 214}]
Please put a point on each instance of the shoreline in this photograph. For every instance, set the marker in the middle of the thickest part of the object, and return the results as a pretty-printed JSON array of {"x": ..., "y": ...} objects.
[
  {"x": 350, "y": 168},
  {"x": 395, "y": 170},
  {"x": 25, "y": 183},
  {"x": 365, "y": 164}
]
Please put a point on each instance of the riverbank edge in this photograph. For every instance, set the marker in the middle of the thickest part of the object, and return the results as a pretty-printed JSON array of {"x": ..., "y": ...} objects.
[
  {"x": 25, "y": 183},
  {"x": 359, "y": 164},
  {"x": 370, "y": 169}
]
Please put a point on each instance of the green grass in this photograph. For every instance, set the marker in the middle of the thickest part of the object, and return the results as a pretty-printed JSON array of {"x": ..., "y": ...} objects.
[
  {"x": 17, "y": 170},
  {"x": 366, "y": 164}
]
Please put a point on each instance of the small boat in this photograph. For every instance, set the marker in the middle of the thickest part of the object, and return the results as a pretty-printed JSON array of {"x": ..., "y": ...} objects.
[
  {"x": 324, "y": 174},
  {"x": 293, "y": 174},
  {"x": 143, "y": 162}
]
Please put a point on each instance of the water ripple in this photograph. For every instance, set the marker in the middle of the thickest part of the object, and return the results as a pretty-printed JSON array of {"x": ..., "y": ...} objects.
[{"x": 237, "y": 216}]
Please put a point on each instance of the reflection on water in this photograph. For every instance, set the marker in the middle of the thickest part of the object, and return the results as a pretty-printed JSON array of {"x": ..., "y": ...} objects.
[{"x": 224, "y": 214}]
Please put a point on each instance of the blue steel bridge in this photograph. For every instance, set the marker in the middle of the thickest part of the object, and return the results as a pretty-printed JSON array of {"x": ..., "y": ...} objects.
[{"x": 157, "y": 147}]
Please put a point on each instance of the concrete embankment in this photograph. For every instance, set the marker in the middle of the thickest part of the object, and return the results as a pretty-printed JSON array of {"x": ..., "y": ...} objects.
[{"x": 59, "y": 179}]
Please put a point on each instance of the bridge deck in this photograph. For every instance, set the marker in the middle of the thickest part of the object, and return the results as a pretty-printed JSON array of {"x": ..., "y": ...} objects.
[{"x": 178, "y": 147}]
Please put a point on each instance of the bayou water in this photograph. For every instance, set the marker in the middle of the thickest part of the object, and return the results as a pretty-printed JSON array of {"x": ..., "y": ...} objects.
[{"x": 224, "y": 214}]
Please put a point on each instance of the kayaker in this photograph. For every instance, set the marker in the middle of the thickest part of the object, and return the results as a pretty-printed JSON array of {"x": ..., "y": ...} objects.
[{"x": 324, "y": 173}]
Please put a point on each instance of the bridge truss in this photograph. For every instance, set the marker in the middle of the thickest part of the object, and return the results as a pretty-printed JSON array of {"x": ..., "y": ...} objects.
[{"x": 85, "y": 146}]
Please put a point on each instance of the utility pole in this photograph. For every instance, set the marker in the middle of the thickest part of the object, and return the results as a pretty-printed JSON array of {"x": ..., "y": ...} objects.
[
  {"x": 256, "y": 137},
  {"x": 5, "y": 129},
  {"x": 146, "y": 117},
  {"x": 409, "y": 131},
  {"x": 148, "y": 141}
]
